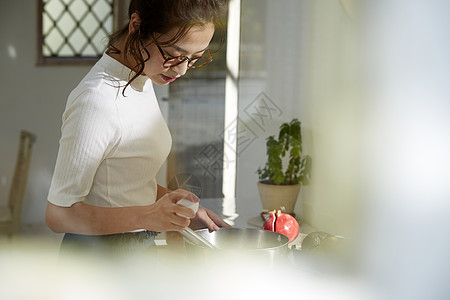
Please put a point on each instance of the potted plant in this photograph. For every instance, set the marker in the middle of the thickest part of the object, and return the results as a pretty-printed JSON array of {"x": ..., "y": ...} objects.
[{"x": 279, "y": 187}]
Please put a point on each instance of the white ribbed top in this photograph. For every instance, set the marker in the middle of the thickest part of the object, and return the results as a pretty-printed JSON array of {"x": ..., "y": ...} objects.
[{"x": 111, "y": 146}]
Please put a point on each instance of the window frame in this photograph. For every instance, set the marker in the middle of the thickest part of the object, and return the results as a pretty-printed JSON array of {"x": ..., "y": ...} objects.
[{"x": 119, "y": 19}]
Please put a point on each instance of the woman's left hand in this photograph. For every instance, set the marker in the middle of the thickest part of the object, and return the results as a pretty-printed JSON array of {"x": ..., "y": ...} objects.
[{"x": 206, "y": 218}]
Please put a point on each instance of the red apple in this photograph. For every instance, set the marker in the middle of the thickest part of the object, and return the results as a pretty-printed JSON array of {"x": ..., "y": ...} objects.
[{"x": 282, "y": 223}]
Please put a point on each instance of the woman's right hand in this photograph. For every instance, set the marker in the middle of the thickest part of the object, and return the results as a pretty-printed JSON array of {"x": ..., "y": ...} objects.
[{"x": 165, "y": 215}]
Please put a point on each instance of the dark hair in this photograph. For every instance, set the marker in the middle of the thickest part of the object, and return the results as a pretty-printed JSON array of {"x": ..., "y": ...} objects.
[{"x": 161, "y": 16}]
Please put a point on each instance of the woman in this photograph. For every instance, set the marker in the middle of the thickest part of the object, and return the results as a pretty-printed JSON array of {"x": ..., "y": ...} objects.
[{"x": 114, "y": 138}]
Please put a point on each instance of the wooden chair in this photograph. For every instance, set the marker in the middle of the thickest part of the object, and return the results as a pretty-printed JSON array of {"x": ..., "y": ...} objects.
[{"x": 10, "y": 215}]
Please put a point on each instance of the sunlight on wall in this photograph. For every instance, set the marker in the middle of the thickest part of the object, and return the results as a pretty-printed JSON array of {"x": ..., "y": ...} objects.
[
  {"x": 231, "y": 106},
  {"x": 332, "y": 101},
  {"x": 12, "y": 52}
]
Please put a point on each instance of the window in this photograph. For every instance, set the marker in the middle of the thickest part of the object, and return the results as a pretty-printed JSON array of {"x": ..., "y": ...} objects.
[
  {"x": 74, "y": 31},
  {"x": 196, "y": 113}
]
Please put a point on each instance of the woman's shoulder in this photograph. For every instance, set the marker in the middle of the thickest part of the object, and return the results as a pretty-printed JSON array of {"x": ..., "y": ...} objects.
[
  {"x": 97, "y": 82},
  {"x": 95, "y": 88}
]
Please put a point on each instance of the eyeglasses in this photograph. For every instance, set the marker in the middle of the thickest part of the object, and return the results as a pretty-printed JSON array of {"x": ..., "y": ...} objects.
[{"x": 193, "y": 63}]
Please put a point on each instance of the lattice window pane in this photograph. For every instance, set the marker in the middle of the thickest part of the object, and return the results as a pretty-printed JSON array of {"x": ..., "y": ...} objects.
[
  {"x": 89, "y": 51},
  {"x": 55, "y": 40},
  {"x": 66, "y": 51},
  {"x": 79, "y": 9},
  {"x": 75, "y": 28},
  {"x": 100, "y": 9}
]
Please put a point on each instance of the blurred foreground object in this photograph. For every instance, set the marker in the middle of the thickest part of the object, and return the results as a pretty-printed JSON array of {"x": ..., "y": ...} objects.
[
  {"x": 320, "y": 242},
  {"x": 327, "y": 254}
]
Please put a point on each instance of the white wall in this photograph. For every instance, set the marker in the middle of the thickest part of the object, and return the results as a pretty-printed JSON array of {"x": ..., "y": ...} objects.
[
  {"x": 282, "y": 43},
  {"x": 32, "y": 98},
  {"x": 332, "y": 97},
  {"x": 309, "y": 74}
]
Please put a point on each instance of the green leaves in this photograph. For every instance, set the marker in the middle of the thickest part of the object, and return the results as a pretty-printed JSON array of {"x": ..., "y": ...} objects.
[{"x": 299, "y": 166}]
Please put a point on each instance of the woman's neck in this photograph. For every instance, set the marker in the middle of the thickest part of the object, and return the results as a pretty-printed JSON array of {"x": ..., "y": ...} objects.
[{"x": 121, "y": 56}]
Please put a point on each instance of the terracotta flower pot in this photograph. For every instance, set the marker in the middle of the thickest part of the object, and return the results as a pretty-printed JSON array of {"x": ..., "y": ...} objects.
[{"x": 273, "y": 197}]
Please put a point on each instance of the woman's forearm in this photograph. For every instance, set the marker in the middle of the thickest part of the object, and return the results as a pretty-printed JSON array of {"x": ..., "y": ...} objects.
[{"x": 83, "y": 218}]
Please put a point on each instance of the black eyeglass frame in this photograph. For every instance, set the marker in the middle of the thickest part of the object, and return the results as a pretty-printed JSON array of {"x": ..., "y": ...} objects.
[{"x": 181, "y": 59}]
